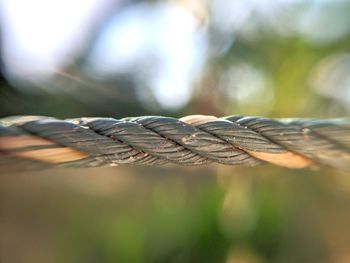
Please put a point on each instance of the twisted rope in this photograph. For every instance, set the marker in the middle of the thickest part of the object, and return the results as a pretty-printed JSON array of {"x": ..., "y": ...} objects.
[{"x": 36, "y": 142}]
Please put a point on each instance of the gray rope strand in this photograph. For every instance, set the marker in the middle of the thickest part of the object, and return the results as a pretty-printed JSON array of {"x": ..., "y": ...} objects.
[{"x": 156, "y": 140}]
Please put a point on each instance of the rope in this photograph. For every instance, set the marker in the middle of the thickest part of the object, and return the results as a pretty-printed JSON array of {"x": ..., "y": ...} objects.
[{"x": 34, "y": 142}]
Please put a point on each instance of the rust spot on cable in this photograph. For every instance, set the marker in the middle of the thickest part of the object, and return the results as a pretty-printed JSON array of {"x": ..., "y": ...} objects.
[
  {"x": 52, "y": 155},
  {"x": 19, "y": 141},
  {"x": 286, "y": 159},
  {"x": 56, "y": 155},
  {"x": 198, "y": 119}
]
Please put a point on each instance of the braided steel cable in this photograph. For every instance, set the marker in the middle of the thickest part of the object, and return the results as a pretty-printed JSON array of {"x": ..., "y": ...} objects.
[{"x": 36, "y": 141}]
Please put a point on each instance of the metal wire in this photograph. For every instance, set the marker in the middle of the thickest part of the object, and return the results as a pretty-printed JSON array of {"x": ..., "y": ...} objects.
[{"x": 37, "y": 141}]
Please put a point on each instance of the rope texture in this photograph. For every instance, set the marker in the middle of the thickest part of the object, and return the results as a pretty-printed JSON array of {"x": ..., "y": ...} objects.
[{"x": 28, "y": 142}]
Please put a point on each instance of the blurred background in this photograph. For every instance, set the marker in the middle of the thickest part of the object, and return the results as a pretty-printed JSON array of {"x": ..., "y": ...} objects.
[{"x": 118, "y": 58}]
